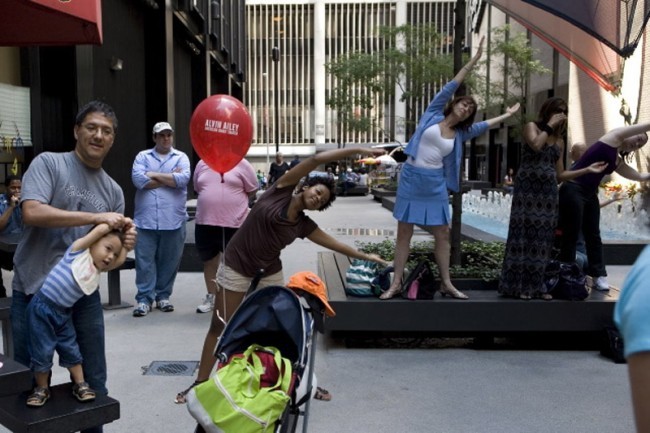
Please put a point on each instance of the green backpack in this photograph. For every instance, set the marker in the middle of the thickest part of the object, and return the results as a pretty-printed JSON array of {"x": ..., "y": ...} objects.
[{"x": 233, "y": 399}]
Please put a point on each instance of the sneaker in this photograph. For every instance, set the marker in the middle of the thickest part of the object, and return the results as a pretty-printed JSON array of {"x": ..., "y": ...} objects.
[
  {"x": 141, "y": 310},
  {"x": 165, "y": 306},
  {"x": 207, "y": 304},
  {"x": 601, "y": 284}
]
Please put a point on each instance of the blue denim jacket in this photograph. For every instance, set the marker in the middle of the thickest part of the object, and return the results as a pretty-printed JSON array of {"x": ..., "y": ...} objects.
[{"x": 433, "y": 115}]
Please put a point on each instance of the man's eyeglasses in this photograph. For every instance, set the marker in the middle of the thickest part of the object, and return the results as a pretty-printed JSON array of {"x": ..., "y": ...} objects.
[{"x": 92, "y": 129}]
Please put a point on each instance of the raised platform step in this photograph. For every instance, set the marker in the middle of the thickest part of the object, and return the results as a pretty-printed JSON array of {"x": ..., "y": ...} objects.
[
  {"x": 484, "y": 312},
  {"x": 62, "y": 412},
  {"x": 14, "y": 377}
]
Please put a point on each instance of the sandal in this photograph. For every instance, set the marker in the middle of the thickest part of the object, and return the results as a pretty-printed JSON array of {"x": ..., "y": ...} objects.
[
  {"x": 452, "y": 292},
  {"x": 38, "y": 397},
  {"x": 322, "y": 394},
  {"x": 391, "y": 292},
  {"x": 181, "y": 397},
  {"x": 83, "y": 392}
]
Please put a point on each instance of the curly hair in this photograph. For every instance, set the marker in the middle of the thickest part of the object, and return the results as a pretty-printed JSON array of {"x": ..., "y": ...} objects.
[{"x": 327, "y": 182}]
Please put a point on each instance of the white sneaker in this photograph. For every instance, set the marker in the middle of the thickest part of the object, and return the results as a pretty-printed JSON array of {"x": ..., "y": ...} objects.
[
  {"x": 207, "y": 304},
  {"x": 601, "y": 284},
  {"x": 141, "y": 310}
]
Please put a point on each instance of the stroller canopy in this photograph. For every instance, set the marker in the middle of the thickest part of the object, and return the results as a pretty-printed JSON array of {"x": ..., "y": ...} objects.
[{"x": 271, "y": 316}]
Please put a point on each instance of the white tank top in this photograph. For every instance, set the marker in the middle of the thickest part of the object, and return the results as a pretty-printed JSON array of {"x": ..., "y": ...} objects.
[{"x": 433, "y": 148}]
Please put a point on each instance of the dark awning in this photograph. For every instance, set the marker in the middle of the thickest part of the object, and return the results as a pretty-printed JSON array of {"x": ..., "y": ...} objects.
[
  {"x": 50, "y": 22},
  {"x": 617, "y": 24},
  {"x": 591, "y": 55}
]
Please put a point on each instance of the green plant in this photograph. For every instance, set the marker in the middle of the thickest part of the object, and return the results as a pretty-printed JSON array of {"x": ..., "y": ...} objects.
[{"x": 479, "y": 259}]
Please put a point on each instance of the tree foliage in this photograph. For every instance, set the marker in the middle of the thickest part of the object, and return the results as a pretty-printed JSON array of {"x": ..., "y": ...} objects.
[
  {"x": 411, "y": 59},
  {"x": 514, "y": 58}
]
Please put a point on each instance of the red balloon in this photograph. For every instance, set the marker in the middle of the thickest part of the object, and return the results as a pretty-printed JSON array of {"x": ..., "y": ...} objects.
[{"x": 221, "y": 131}]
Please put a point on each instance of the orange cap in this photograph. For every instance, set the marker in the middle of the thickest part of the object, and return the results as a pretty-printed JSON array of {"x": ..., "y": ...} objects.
[{"x": 311, "y": 283}]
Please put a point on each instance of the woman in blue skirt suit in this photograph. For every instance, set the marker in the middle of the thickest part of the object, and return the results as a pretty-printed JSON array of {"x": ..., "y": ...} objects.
[{"x": 433, "y": 165}]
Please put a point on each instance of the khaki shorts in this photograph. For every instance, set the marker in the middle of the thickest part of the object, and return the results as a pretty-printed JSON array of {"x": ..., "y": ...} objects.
[{"x": 232, "y": 280}]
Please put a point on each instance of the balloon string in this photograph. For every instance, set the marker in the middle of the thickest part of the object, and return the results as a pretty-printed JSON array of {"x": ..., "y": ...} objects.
[{"x": 222, "y": 179}]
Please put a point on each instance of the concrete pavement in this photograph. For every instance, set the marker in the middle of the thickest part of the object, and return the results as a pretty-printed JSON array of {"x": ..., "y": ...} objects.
[{"x": 508, "y": 388}]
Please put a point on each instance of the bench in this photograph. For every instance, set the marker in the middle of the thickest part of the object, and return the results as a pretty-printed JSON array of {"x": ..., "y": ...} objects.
[
  {"x": 190, "y": 262},
  {"x": 5, "y": 322},
  {"x": 484, "y": 312},
  {"x": 62, "y": 413},
  {"x": 114, "y": 286}
]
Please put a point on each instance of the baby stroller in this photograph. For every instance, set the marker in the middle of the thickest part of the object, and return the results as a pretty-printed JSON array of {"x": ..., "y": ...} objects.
[{"x": 285, "y": 319}]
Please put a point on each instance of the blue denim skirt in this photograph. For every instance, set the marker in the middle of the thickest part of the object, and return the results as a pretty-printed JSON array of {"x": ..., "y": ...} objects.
[{"x": 422, "y": 197}]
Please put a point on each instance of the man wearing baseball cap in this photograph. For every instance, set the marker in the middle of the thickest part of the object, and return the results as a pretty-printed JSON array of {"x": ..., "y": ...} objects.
[{"x": 160, "y": 175}]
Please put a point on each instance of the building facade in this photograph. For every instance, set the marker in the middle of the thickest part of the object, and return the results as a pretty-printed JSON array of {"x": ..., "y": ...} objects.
[
  {"x": 158, "y": 60},
  {"x": 287, "y": 94}
]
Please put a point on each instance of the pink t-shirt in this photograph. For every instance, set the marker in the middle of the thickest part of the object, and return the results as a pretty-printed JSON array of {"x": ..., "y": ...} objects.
[{"x": 223, "y": 204}]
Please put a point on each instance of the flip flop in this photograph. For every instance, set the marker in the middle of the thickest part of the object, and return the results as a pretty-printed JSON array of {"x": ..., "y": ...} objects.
[{"x": 322, "y": 394}]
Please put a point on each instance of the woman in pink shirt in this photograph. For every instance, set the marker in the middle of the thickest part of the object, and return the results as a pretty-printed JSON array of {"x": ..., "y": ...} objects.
[{"x": 221, "y": 207}]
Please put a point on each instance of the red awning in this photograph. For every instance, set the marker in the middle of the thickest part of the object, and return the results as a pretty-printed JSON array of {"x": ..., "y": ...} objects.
[
  {"x": 588, "y": 53},
  {"x": 50, "y": 22}
]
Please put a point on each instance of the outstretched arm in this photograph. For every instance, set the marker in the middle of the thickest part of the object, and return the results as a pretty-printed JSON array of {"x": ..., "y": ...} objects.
[
  {"x": 44, "y": 215},
  {"x": 563, "y": 175},
  {"x": 510, "y": 111},
  {"x": 629, "y": 173},
  {"x": 293, "y": 176},
  {"x": 616, "y": 136},
  {"x": 460, "y": 75},
  {"x": 324, "y": 240}
]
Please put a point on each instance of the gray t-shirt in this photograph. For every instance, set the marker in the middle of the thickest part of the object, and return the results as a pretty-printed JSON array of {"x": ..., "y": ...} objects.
[{"x": 62, "y": 181}]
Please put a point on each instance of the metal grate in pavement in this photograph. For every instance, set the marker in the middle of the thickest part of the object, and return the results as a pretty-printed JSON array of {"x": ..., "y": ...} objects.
[{"x": 170, "y": 368}]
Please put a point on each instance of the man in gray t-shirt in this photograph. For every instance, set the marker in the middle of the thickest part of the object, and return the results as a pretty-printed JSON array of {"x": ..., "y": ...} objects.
[{"x": 63, "y": 196}]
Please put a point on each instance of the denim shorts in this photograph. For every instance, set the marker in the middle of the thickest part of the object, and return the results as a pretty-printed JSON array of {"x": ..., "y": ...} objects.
[{"x": 55, "y": 330}]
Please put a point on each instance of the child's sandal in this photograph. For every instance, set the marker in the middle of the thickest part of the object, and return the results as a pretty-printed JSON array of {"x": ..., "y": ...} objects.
[
  {"x": 38, "y": 397},
  {"x": 83, "y": 392}
]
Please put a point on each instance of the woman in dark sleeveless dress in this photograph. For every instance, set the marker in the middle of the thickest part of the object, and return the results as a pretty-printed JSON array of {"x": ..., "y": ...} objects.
[{"x": 534, "y": 211}]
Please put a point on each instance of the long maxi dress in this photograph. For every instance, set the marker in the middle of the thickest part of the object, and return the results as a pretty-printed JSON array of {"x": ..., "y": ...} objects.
[{"x": 533, "y": 220}]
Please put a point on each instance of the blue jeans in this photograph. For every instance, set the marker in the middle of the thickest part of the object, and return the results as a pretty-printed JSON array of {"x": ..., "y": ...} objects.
[
  {"x": 88, "y": 319},
  {"x": 157, "y": 256},
  {"x": 53, "y": 325}
]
